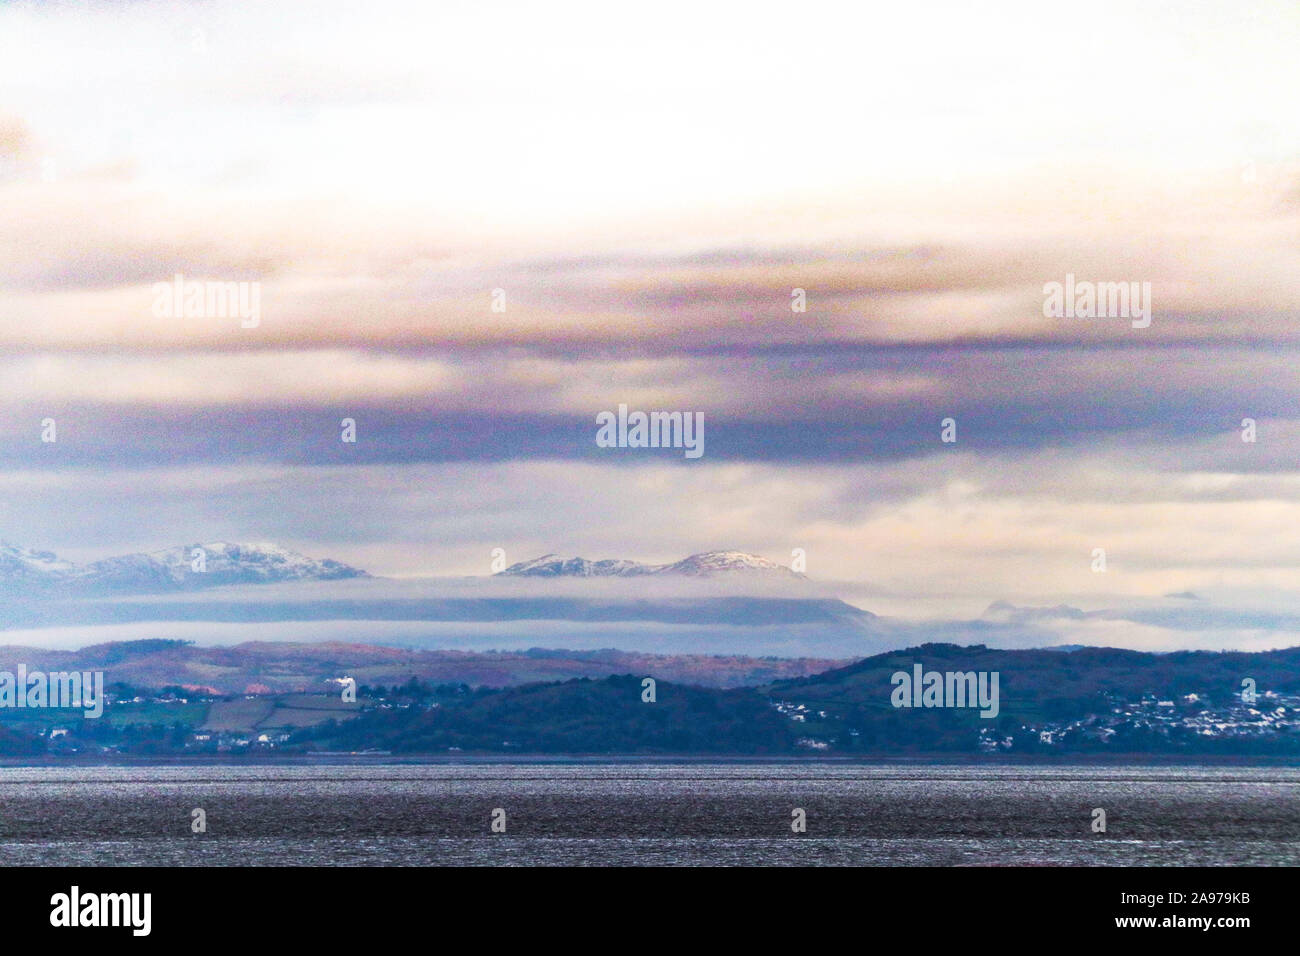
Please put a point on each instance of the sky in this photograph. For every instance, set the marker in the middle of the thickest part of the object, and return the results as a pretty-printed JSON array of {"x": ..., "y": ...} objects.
[{"x": 639, "y": 193}]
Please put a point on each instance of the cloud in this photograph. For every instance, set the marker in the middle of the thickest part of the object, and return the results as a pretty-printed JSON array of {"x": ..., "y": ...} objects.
[{"x": 647, "y": 200}]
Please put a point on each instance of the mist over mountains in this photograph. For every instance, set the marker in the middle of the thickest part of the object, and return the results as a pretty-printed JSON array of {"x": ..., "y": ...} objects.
[
  {"x": 722, "y": 602},
  {"x": 713, "y": 602},
  {"x": 217, "y": 564}
]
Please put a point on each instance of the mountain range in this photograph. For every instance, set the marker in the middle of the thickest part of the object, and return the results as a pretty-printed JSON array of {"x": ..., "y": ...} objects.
[
  {"x": 707, "y": 564},
  {"x": 720, "y": 602},
  {"x": 198, "y": 566},
  {"x": 182, "y": 568}
]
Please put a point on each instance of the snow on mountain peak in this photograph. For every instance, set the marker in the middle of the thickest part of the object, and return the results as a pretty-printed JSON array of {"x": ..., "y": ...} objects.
[
  {"x": 24, "y": 562},
  {"x": 555, "y": 566},
  {"x": 709, "y": 563},
  {"x": 179, "y": 568},
  {"x": 705, "y": 564}
]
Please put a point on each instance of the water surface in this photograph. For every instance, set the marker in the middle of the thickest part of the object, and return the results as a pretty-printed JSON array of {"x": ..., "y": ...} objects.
[{"x": 649, "y": 814}]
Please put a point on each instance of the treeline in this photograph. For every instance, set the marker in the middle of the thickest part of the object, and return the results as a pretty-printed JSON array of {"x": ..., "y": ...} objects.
[
  {"x": 578, "y": 716},
  {"x": 846, "y": 711}
]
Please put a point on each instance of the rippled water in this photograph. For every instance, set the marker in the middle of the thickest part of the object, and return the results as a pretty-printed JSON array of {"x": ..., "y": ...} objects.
[{"x": 649, "y": 814}]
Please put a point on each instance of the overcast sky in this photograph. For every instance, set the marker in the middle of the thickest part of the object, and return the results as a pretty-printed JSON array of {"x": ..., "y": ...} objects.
[{"x": 648, "y": 189}]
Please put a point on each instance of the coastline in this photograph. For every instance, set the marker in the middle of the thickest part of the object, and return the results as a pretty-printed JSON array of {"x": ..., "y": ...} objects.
[{"x": 955, "y": 760}]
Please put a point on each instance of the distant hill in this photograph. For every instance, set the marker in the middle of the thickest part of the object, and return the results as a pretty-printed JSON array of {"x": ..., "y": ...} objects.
[
  {"x": 605, "y": 716},
  {"x": 1091, "y": 701},
  {"x": 1037, "y": 680},
  {"x": 263, "y": 667},
  {"x": 1094, "y": 701}
]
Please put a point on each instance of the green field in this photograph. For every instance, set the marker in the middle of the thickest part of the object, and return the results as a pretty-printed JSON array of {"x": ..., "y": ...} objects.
[
  {"x": 285, "y": 710},
  {"x": 241, "y": 714}
]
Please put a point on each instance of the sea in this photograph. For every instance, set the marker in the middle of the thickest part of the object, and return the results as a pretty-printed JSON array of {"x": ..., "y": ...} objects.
[{"x": 635, "y": 813}]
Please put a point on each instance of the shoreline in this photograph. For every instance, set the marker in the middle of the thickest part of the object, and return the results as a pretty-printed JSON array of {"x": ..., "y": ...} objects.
[{"x": 388, "y": 759}]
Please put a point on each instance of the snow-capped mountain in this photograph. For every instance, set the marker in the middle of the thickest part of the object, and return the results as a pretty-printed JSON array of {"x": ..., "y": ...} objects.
[
  {"x": 186, "y": 567},
  {"x": 710, "y": 563},
  {"x": 723, "y": 602},
  {"x": 23, "y": 564},
  {"x": 556, "y": 566},
  {"x": 703, "y": 565}
]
